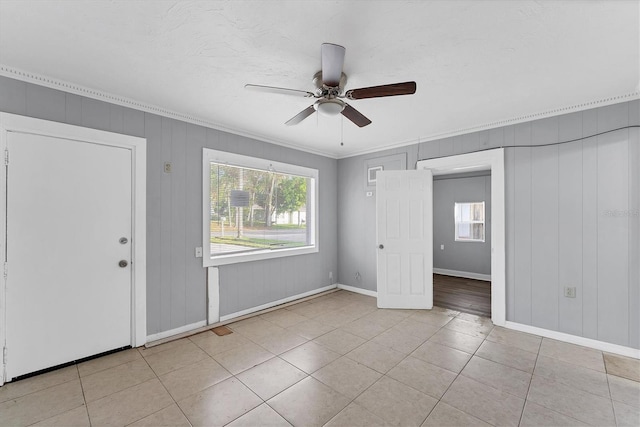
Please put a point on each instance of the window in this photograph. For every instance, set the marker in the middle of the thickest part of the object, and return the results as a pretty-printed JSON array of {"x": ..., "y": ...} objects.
[
  {"x": 256, "y": 209},
  {"x": 469, "y": 220}
]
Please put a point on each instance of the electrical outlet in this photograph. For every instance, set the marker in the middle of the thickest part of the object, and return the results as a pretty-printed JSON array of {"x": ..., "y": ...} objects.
[
  {"x": 358, "y": 277},
  {"x": 442, "y": 247},
  {"x": 167, "y": 167},
  {"x": 570, "y": 292},
  {"x": 331, "y": 275}
]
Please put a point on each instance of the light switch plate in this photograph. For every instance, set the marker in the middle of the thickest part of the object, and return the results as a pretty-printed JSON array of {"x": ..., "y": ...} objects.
[{"x": 198, "y": 252}]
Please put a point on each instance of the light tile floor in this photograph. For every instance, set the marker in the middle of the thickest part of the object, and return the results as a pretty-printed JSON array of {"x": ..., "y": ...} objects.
[{"x": 337, "y": 360}]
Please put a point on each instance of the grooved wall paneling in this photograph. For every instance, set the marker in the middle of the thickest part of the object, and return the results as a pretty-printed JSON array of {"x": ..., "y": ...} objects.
[
  {"x": 570, "y": 237},
  {"x": 634, "y": 232},
  {"x": 176, "y": 280},
  {"x": 613, "y": 235},
  {"x": 590, "y": 238},
  {"x": 522, "y": 235},
  {"x": 572, "y": 214},
  {"x": 544, "y": 237},
  {"x": 572, "y": 219}
]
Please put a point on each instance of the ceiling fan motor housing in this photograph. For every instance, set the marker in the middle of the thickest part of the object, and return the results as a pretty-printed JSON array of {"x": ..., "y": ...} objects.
[{"x": 322, "y": 89}]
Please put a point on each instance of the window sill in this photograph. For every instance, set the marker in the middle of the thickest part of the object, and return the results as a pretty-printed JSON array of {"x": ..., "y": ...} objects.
[{"x": 256, "y": 256}]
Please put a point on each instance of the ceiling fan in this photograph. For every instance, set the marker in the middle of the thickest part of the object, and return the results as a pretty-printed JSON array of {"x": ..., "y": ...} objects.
[{"x": 330, "y": 82}]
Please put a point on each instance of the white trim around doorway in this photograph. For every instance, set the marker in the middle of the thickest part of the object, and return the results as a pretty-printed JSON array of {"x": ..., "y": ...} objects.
[
  {"x": 492, "y": 160},
  {"x": 138, "y": 148}
]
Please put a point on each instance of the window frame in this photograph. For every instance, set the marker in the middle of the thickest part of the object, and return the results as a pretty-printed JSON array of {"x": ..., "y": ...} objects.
[
  {"x": 238, "y": 160},
  {"x": 456, "y": 222}
]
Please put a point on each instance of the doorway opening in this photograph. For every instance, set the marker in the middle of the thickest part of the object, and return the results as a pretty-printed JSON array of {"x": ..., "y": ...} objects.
[
  {"x": 462, "y": 242},
  {"x": 493, "y": 162}
]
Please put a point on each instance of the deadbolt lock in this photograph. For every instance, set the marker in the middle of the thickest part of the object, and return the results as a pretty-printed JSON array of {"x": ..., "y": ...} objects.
[
  {"x": 123, "y": 263},
  {"x": 123, "y": 240}
]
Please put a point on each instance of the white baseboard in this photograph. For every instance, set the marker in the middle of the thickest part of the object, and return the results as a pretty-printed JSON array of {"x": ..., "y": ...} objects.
[
  {"x": 274, "y": 303},
  {"x": 161, "y": 337},
  {"x": 358, "y": 290},
  {"x": 574, "y": 339},
  {"x": 176, "y": 331},
  {"x": 465, "y": 274}
]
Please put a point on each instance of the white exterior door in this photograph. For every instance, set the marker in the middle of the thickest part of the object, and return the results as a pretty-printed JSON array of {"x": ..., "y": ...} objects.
[
  {"x": 404, "y": 217},
  {"x": 69, "y": 211}
]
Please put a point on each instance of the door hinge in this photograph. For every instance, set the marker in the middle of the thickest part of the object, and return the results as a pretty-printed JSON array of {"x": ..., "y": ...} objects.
[
  {"x": 6, "y": 269},
  {"x": 6, "y": 156},
  {"x": 4, "y": 355}
]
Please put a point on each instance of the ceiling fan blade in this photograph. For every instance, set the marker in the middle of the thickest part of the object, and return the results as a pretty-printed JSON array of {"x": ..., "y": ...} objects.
[
  {"x": 355, "y": 116},
  {"x": 406, "y": 88},
  {"x": 300, "y": 116},
  {"x": 332, "y": 62},
  {"x": 279, "y": 90}
]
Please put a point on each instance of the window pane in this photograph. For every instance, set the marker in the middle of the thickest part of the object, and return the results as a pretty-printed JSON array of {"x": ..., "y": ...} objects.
[
  {"x": 478, "y": 231},
  {"x": 465, "y": 212},
  {"x": 469, "y": 219},
  {"x": 255, "y": 210},
  {"x": 464, "y": 231},
  {"x": 478, "y": 211}
]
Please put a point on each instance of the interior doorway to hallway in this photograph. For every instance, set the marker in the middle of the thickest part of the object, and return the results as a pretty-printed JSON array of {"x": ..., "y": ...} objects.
[{"x": 491, "y": 160}]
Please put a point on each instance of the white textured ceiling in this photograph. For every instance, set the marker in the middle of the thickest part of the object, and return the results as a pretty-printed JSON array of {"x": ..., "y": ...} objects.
[{"x": 476, "y": 63}]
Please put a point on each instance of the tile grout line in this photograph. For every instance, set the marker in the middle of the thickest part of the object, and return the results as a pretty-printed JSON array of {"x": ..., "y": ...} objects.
[
  {"x": 457, "y": 376},
  {"x": 406, "y": 356},
  {"x": 84, "y": 398},
  {"x": 571, "y": 386},
  {"x": 307, "y": 375},
  {"x": 606, "y": 374},
  {"x": 526, "y": 398},
  {"x": 395, "y": 323},
  {"x": 345, "y": 355},
  {"x": 165, "y": 389}
]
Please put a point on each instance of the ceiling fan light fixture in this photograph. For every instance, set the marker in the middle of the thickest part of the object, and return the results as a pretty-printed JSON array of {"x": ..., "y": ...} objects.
[
  {"x": 330, "y": 83},
  {"x": 329, "y": 107}
]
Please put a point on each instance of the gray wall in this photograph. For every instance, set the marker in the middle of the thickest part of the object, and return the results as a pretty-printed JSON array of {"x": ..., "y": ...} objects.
[
  {"x": 176, "y": 280},
  {"x": 469, "y": 257},
  {"x": 572, "y": 219}
]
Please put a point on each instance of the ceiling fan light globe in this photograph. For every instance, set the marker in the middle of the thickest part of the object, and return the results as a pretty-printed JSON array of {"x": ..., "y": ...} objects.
[{"x": 330, "y": 107}]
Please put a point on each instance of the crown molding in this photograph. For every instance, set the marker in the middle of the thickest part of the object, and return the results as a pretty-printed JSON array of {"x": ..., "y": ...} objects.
[
  {"x": 507, "y": 122},
  {"x": 99, "y": 95},
  {"x": 57, "y": 84}
]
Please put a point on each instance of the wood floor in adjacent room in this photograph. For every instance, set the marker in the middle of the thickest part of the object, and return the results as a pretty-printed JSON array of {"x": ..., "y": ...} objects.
[{"x": 466, "y": 295}]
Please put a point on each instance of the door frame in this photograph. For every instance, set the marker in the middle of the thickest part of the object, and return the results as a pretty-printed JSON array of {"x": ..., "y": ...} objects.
[
  {"x": 138, "y": 148},
  {"x": 492, "y": 160}
]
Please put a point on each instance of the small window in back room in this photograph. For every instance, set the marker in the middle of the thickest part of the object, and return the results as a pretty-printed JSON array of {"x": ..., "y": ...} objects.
[{"x": 469, "y": 220}]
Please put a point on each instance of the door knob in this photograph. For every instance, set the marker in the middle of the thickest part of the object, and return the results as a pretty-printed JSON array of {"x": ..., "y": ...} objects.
[
  {"x": 123, "y": 263},
  {"x": 380, "y": 246}
]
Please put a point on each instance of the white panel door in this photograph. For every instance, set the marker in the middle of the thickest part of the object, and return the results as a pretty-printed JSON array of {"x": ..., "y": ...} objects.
[
  {"x": 404, "y": 218},
  {"x": 68, "y": 205}
]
